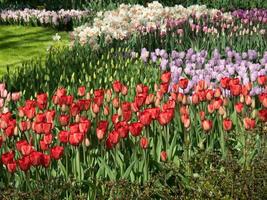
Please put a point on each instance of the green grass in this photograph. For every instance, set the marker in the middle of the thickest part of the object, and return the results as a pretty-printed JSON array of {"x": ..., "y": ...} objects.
[{"x": 21, "y": 43}]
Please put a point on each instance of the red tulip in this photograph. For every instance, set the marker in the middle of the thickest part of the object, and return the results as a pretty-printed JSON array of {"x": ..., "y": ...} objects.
[
  {"x": 63, "y": 136},
  {"x": 211, "y": 108},
  {"x": 239, "y": 107},
  {"x": 115, "y": 118},
  {"x": 262, "y": 79},
  {"x": 183, "y": 82},
  {"x": 249, "y": 123},
  {"x": 144, "y": 143},
  {"x": 126, "y": 106},
  {"x": 20, "y": 143},
  {"x": 209, "y": 94},
  {"x": 124, "y": 90},
  {"x": 248, "y": 100},
  {"x": 40, "y": 117},
  {"x": 163, "y": 156},
  {"x": 45, "y": 160},
  {"x": 165, "y": 117},
  {"x": 127, "y": 115},
  {"x": 136, "y": 128},
  {"x": 95, "y": 108},
  {"x": 225, "y": 82},
  {"x": 35, "y": 158},
  {"x": 84, "y": 126},
  {"x": 116, "y": 102},
  {"x": 47, "y": 127},
  {"x": 114, "y": 137},
  {"x": 140, "y": 99},
  {"x": 29, "y": 112},
  {"x": 26, "y": 149},
  {"x": 63, "y": 120},
  {"x": 43, "y": 145},
  {"x": 57, "y": 152},
  {"x": 101, "y": 129},
  {"x": 207, "y": 125},
  {"x": 81, "y": 91},
  {"x": 42, "y": 100},
  {"x": 50, "y": 115},
  {"x": 24, "y": 163},
  {"x": 74, "y": 128},
  {"x": 154, "y": 112},
  {"x": 235, "y": 90},
  {"x": 8, "y": 157},
  {"x": 164, "y": 87},
  {"x": 166, "y": 77},
  {"x": 74, "y": 110},
  {"x": 11, "y": 167},
  {"x": 145, "y": 118},
  {"x": 123, "y": 129},
  {"x": 48, "y": 138},
  {"x": 134, "y": 107},
  {"x": 84, "y": 104},
  {"x": 202, "y": 115},
  {"x": 195, "y": 99},
  {"x": 106, "y": 110},
  {"x": 234, "y": 81},
  {"x": 9, "y": 131},
  {"x": 227, "y": 124},
  {"x": 76, "y": 138},
  {"x": 61, "y": 92},
  {"x": 117, "y": 86},
  {"x": 262, "y": 115}
]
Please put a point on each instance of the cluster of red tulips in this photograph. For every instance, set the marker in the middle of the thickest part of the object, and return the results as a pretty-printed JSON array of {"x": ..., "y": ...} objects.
[{"x": 37, "y": 133}]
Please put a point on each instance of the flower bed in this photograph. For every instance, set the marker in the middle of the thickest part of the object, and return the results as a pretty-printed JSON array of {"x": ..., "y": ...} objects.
[
  {"x": 62, "y": 19},
  {"x": 118, "y": 133},
  {"x": 199, "y": 66},
  {"x": 157, "y": 26}
]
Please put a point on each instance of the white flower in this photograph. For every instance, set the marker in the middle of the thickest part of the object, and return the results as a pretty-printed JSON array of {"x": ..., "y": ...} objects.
[{"x": 56, "y": 37}]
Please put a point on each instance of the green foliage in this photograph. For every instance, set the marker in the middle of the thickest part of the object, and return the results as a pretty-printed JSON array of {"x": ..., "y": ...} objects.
[
  {"x": 107, "y": 4},
  {"x": 74, "y": 67}
]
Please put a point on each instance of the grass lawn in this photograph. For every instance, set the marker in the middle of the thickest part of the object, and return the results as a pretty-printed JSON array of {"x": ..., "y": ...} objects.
[{"x": 20, "y": 43}]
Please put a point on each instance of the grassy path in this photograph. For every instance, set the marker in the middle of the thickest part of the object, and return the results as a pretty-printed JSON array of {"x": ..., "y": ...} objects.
[{"x": 20, "y": 43}]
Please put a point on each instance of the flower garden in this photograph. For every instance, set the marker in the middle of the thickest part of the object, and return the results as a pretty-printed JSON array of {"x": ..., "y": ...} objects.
[{"x": 144, "y": 101}]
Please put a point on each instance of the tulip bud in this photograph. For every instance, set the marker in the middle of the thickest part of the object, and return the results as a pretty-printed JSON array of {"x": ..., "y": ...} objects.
[
  {"x": 108, "y": 95},
  {"x": 253, "y": 103},
  {"x": 163, "y": 156},
  {"x": 87, "y": 142},
  {"x": 64, "y": 108},
  {"x": 116, "y": 102},
  {"x": 157, "y": 102},
  {"x": 119, "y": 111},
  {"x": 242, "y": 99},
  {"x": 254, "y": 114},
  {"x": 222, "y": 111},
  {"x": 106, "y": 110},
  {"x": 95, "y": 108},
  {"x": 248, "y": 100},
  {"x": 124, "y": 90},
  {"x": 184, "y": 101},
  {"x": 187, "y": 123},
  {"x": 77, "y": 118},
  {"x": 87, "y": 95},
  {"x": 16, "y": 131}
]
